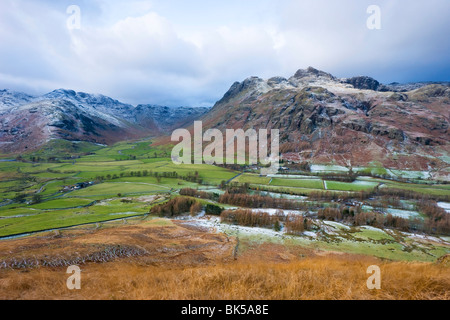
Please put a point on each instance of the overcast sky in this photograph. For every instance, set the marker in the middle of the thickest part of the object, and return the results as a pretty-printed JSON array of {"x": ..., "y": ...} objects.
[{"x": 189, "y": 52}]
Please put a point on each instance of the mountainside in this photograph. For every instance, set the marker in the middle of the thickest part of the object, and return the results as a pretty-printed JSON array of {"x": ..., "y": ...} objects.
[
  {"x": 28, "y": 122},
  {"x": 322, "y": 119},
  {"x": 167, "y": 119},
  {"x": 350, "y": 122}
]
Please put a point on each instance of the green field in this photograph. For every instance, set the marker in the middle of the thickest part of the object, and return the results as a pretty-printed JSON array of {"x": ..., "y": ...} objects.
[
  {"x": 39, "y": 220},
  {"x": 62, "y": 203},
  {"x": 354, "y": 187},
  {"x": 31, "y": 196},
  {"x": 298, "y": 183}
]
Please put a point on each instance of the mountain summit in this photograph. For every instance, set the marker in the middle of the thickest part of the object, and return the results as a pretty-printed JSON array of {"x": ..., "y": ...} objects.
[
  {"x": 352, "y": 121},
  {"x": 28, "y": 122},
  {"x": 321, "y": 118}
]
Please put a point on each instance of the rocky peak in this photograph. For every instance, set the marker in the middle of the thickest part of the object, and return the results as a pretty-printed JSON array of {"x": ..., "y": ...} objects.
[
  {"x": 167, "y": 118},
  {"x": 10, "y": 98},
  {"x": 312, "y": 73},
  {"x": 239, "y": 87},
  {"x": 364, "y": 83}
]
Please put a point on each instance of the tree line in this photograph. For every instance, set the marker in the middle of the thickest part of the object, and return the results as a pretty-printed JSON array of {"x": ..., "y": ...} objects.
[
  {"x": 177, "y": 206},
  {"x": 258, "y": 201},
  {"x": 294, "y": 224}
]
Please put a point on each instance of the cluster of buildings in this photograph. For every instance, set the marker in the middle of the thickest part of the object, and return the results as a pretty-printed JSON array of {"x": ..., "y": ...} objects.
[{"x": 77, "y": 186}]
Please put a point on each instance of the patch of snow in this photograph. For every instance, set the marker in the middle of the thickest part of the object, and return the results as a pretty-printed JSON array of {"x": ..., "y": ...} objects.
[
  {"x": 445, "y": 206},
  {"x": 273, "y": 211},
  {"x": 310, "y": 234},
  {"x": 328, "y": 168},
  {"x": 365, "y": 183},
  {"x": 425, "y": 237},
  {"x": 291, "y": 176},
  {"x": 403, "y": 213},
  {"x": 283, "y": 195},
  {"x": 123, "y": 213},
  {"x": 336, "y": 224},
  {"x": 372, "y": 228},
  {"x": 214, "y": 223}
]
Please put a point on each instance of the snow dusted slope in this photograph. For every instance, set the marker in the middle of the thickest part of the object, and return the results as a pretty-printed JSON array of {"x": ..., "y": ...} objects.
[
  {"x": 97, "y": 104},
  {"x": 350, "y": 122},
  {"x": 27, "y": 122},
  {"x": 10, "y": 99}
]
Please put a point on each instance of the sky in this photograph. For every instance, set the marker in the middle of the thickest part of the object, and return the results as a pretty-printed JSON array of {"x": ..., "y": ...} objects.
[{"x": 189, "y": 52}]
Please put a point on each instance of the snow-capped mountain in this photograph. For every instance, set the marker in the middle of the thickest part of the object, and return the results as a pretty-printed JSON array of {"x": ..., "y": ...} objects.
[
  {"x": 352, "y": 121},
  {"x": 27, "y": 122}
]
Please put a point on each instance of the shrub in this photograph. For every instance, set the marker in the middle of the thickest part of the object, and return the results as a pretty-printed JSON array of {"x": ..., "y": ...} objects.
[
  {"x": 175, "y": 207},
  {"x": 213, "y": 209}
]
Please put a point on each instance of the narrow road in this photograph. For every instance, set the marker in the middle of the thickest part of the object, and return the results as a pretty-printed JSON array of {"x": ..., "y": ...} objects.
[
  {"x": 234, "y": 178},
  {"x": 43, "y": 186}
]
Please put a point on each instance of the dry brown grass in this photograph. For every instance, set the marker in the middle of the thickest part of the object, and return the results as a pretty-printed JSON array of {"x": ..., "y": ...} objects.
[
  {"x": 320, "y": 277},
  {"x": 189, "y": 264}
]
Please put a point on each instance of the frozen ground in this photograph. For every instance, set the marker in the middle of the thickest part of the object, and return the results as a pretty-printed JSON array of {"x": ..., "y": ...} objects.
[
  {"x": 273, "y": 211},
  {"x": 403, "y": 213},
  {"x": 283, "y": 195},
  {"x": 291, "y": 176},
  {"x": 328, "y": 168},
  {"x": 445, "y": 206}
]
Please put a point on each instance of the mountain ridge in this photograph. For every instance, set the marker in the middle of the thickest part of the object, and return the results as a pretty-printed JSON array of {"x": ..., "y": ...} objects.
[
  {"x": 27, "y": 122},
  {"x": 322, "y": 118},
  {"x": 349, "y": 122}
]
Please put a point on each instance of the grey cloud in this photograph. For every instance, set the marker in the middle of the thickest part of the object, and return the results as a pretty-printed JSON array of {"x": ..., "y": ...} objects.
[{"x": 149, "y": 57}]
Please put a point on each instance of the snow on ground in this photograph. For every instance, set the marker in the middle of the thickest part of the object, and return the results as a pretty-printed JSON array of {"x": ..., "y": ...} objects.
[
  {"x": 336, "y": 225},
  {"x": 403, "y": 213},
  {"x": 372, "y": 228},
  {"x": 367, "y": 208},
  {"x": 427, "y": 238},
  {"x": 274, "y": 211},
  {"x": 283, "y": 195},
  {"x": 310, "y": 234},
  {"x": 123, "y": 213},
  {"x": 325, "y": 168},
  {"x": 411, "y": 174},
  {"x": 365, "y": 183},
  {"x": 214, "y": 223},
  {"x": 291, "y": 176},
  {"x": 445, "y": 206}
]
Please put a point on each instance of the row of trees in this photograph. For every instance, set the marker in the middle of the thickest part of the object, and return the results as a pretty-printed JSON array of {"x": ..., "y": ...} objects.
[
  {"x": 191, "y": 176},
  {"x": 294, "y": 224},
  {"x": 437, "y": 221},
  {"x": 246, "y": 217},
  {"x": 297, "y": 224},
  {"x": 198, "y": 194},
  {"x": 177, "y": 206},
  {"x": 356, "y": 217},
  {"x": 257, "y": 201},
  {"x": 411, "y": 194}
]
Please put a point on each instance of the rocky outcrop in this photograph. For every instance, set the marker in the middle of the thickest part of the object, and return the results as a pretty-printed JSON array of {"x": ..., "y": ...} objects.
[
  {"x": 28, "y": 122},
  {"x": 363, "y": 83},
  {"x": 344, "y": 120},
  {"x": 312, "y": 72},
  {"x": 166, "y": 118}
]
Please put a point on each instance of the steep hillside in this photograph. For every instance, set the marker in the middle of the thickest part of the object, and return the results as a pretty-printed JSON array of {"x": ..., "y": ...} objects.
[
  {"x": 166, "y": 119},
  {"x": 27, "y": 122},
  {"x": 350, "y": 122}
]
